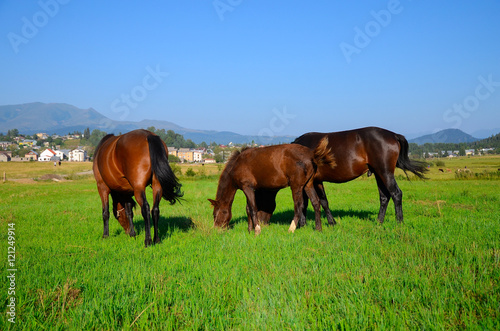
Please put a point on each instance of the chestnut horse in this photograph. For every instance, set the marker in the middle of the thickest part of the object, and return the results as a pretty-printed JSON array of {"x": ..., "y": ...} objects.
[
  {"x": 267, "y": 170},
  {"x": 123, "y": 167},
  {"x": 369, "y": 150}
]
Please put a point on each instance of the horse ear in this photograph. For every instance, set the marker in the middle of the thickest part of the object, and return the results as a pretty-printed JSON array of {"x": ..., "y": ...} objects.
[{"x": 213, "y": 202}]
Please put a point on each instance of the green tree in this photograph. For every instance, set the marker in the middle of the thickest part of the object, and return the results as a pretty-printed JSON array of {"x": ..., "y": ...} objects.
[
  {"x": 13, "y": 133},
  {"x": 86, "y": 133},
  {"x": 96, "y": 136}
]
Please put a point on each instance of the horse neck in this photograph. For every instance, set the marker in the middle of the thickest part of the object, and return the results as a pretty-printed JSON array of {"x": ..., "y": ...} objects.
[{"x": 226, "y": 190}]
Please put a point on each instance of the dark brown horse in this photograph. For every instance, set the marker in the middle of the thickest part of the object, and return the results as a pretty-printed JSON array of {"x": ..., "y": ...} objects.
[
  {"x": 373, "y": 150},
  {"x": 267, "y": 170},
  {"x": 123, "y": 167}
]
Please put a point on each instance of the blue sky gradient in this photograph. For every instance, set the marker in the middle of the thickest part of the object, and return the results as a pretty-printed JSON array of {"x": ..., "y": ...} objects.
[{"x": 260, "y": 67}]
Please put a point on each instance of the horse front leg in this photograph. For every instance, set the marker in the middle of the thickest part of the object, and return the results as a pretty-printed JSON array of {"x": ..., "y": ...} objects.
[
  {"x": 298, "y": 200},
  {"x": 252, "y": 209},
  {"x": 104, "y": 194},
  {"x": 250, "y": 220},
  {"x": 130, "y": 216},
  {"x": 105, "y": 219}
]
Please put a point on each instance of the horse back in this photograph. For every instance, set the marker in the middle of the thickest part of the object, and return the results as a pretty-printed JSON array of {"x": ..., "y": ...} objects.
[{"x": 273, "y": 167}]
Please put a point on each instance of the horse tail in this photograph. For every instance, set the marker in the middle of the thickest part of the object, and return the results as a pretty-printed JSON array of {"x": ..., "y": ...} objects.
[
  {"x": 161, "y": 168},
  {"x": 323, "y": 155},
  {"x": 419, "y": 168}
]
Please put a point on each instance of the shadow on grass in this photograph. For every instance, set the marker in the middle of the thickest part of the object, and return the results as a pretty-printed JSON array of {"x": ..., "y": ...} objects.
[
  {"x": 166, "y": 226},
  {"x": 286, "y": 217}
]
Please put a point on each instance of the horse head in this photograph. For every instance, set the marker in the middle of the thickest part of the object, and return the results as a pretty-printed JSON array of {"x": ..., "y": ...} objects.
[
  {"x": 121, "y": 215},
  {"x": 222, "y": 213}
]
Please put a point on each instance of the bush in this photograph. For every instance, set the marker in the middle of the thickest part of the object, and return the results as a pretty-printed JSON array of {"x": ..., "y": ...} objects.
[
  {"x": 176, "y": 169},
  {"x": 439, "y": 163},
  {"x": 190, "y": 172}
]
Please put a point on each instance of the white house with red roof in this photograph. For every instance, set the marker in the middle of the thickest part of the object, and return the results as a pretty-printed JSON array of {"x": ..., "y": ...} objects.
[{"x": 47, "y": 155}]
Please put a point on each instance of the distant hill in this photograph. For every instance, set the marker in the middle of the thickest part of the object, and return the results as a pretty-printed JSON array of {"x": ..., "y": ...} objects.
[
  {"x": 454, "y": 136},
  {"x": 60, "y": 118}
]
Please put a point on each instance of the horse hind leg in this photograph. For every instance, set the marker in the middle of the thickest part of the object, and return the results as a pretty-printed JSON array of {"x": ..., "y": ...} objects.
[
  {"x": 311, "y": 193},
  {"x": 388, "y": 188},
  {"x": 140, "y": 197},
  {"x": 320, "y": 191},
  {"x": 155, "y": 212}
]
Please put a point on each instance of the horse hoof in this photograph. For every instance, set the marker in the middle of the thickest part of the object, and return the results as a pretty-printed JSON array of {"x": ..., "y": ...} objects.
[
  {"x": 292, "y": 227},
  {"x": 148, "y": 242},
  {"x": 132, "y": 234},
  {"x": 105, "y": 235},
  {"x": 257, "y": 230}
]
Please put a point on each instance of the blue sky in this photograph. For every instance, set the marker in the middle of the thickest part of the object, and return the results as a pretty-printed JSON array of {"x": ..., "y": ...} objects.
[{"x": 260, "y": 67}]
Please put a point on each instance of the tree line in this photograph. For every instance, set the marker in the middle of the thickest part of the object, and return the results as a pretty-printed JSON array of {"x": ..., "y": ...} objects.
[
  {"x": 428, "y": 148},
  {"x": 90, "y": 139}
]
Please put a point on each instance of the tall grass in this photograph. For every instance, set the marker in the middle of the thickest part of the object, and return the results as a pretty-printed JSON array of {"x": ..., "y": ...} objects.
[{"x": 440, "y": 269}]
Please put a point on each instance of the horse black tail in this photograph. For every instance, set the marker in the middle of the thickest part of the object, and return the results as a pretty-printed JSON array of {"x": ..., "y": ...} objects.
[
  {"x": 419, "y": 168},
  {"x": 161, "y": 168}
]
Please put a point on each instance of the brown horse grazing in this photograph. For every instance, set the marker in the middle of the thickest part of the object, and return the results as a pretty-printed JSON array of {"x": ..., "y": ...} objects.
[
  {"x": 368, "y": 150},
  {"x": 373, "y": 150},
  {"x": 269, "y": 169},
  {"x": 123, "y": 167}
]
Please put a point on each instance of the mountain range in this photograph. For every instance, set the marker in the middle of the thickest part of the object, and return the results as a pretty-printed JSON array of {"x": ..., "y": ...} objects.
[{"x": 60, "y": 118}]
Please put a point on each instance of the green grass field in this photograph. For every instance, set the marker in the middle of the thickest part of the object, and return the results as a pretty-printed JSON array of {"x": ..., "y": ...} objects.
[{"x": 440, "y": 269}]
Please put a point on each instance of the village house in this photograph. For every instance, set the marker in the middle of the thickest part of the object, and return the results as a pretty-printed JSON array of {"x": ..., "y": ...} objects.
[
  {"x": 185, "y": 154},
  {"x": 31, "y": 156},
  {"x": 197, "y": 156},
  {"x": 5, "y": 144},
  {"x": 62, "y": 153},
  {"x": 5, "y": 156},
  {"x": 77, "y": 155},
  {"x": 48, "y": 155},
  {"x": 27, "y": 143},
  {"x": 486, "y": 150},
  {"x": 173, "y": 151}
]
